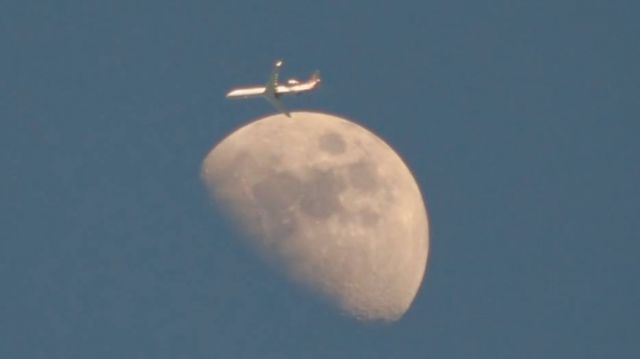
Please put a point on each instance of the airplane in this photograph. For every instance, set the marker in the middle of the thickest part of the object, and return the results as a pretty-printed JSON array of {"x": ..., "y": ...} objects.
[{"x": 273, "y": 90}]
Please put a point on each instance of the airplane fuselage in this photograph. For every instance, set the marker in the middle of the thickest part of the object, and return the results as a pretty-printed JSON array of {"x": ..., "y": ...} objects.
[{"x": 261, "y": 91}]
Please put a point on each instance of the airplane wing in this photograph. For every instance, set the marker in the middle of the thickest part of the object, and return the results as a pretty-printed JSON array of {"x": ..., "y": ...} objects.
[
  {"x": 273, "y": 79},
  {"x": 278, "y": 105}
]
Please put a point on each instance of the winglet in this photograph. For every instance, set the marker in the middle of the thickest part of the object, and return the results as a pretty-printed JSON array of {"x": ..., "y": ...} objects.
[{"x": 273, "y": 79}]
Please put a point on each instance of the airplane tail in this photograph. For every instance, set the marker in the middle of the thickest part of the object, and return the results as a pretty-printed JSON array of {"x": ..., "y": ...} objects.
[{"x": 315, "y": 77}]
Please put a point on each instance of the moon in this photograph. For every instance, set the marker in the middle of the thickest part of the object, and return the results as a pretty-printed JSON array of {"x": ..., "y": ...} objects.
[{"x": 330, "y": 205}]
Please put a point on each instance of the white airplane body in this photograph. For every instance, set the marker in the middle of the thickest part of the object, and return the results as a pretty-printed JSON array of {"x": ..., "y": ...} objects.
[{"x": 273, "y": 90}]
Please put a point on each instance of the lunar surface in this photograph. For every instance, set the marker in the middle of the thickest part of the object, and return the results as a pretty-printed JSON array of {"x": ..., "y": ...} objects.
[{"x": 329, "y": 204}]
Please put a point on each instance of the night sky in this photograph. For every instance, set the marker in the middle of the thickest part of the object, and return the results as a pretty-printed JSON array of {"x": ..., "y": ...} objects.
[{"x": 519, "y": 120}]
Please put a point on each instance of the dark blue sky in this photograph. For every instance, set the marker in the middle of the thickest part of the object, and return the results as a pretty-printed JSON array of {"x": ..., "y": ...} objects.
[{"x": 519, "y": 120}]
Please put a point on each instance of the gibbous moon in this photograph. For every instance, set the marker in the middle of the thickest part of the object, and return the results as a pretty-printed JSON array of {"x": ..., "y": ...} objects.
[{"x": 328, "y": 203}]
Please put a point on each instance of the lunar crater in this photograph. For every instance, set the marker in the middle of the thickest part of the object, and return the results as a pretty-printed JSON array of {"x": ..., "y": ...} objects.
[
  {"x": 321, "y": 194},
  {"x": 276, "y": 192},
  {"x": 369, "y": 217},
  {"x": 363, "y": 176},
  {"x": 332, "y": 143}
]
